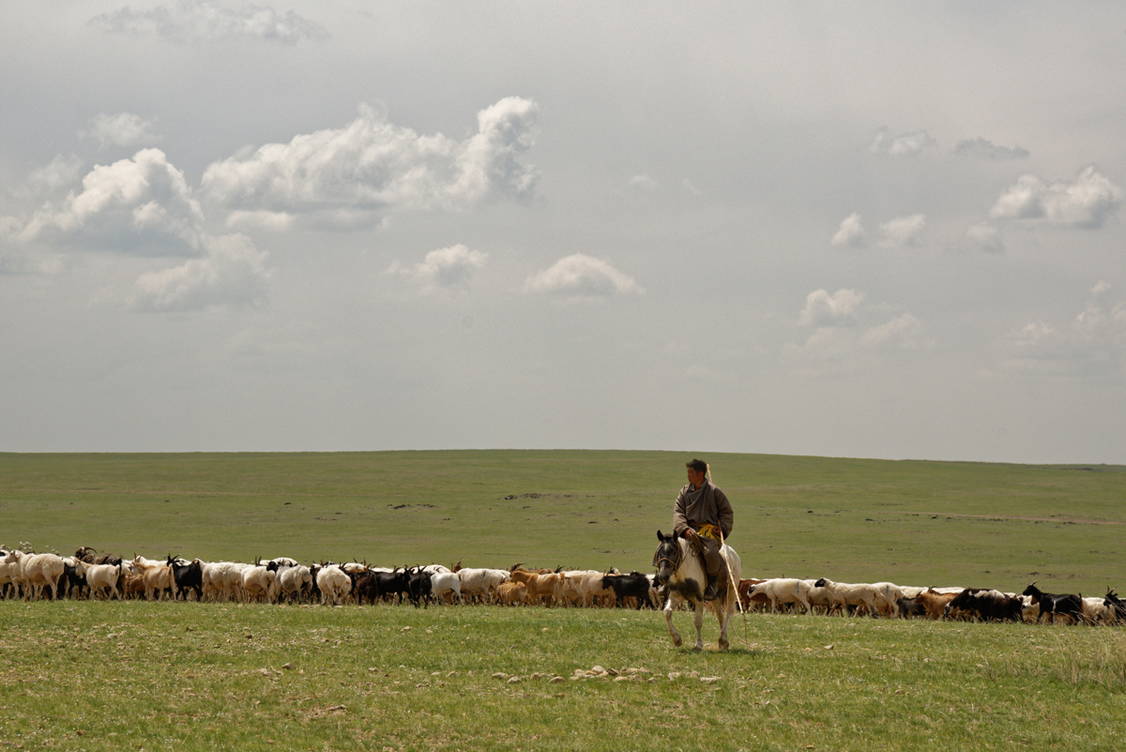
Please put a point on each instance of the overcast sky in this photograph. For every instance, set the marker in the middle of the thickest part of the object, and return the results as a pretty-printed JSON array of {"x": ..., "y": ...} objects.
[{"x": 871, "y": 229}]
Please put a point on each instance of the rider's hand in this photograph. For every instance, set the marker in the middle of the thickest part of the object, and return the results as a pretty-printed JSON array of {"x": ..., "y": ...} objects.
[{"x": 689, "y": 533}]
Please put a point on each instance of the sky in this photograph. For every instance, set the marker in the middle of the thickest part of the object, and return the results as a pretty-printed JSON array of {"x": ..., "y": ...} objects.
[{"x": 847, "y": 229}]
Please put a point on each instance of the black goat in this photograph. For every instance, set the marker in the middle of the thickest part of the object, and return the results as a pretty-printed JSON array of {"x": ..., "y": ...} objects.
[
  {"x": 86, "y": 554},
  {"x": 1053, "y": 603},
  {"x": 1112, "y": 601},
  {"x": 908, "y": 607},
  {"x": 187, "y": 577},
  {"x": 71, "y": 583},
  {"x": 633, "y": 585},
  {"x": 373, "y": 586},
  {"x": 983, "y": 604},
  {"x": 418, "y": 587}
]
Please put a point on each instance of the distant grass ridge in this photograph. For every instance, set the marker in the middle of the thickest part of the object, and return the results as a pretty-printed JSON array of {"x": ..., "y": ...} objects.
[{"x": 912, "y": 522}]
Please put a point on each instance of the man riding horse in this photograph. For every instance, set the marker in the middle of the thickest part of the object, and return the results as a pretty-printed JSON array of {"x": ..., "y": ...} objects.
[{"x": 700, "y": 513}]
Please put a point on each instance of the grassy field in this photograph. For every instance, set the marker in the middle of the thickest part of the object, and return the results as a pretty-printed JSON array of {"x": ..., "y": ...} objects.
[
  {"x": 921, "y": 523},
  {"x": 164, "y": 676},
  {"x": 185, "y": 676}
]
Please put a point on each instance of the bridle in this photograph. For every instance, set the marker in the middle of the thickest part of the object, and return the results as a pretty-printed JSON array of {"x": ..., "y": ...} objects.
[{"x": 673, "y": 561}]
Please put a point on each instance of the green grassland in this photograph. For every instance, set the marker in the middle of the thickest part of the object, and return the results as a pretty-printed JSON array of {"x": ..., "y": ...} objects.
[
  {"x": 187, "y": 676},
  {"x": 912, "y": 522}
]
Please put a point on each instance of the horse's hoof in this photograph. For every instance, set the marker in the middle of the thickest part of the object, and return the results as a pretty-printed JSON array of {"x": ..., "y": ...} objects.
[
  {"x": 698, "y": 647},
  {"x": 724, "y": 644},
  {"x": 677, "y": 642}
]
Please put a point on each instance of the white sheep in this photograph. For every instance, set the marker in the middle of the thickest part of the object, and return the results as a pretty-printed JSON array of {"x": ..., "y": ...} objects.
[
  {"x": 293, "y": 580},
  {"x": 258, "y": 582},
  {"x": 781, "y": 590},
  {"x": 841, "y": 595},
  {"x": 37, "y": 572}
]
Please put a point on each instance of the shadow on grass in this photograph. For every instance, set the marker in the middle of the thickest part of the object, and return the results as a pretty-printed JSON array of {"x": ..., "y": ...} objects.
[{"x": 733, "y": 652}]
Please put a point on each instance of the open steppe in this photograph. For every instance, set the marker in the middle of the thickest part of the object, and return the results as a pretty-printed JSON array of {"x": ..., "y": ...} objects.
[{"x": 155, "y": 676}]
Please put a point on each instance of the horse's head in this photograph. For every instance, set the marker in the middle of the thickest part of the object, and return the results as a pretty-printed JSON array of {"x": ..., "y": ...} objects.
[{"x": 667, "y": 557}]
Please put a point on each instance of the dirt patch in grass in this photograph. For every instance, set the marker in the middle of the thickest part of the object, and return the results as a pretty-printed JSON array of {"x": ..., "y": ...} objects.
[{"x": 1020, "y": 518}]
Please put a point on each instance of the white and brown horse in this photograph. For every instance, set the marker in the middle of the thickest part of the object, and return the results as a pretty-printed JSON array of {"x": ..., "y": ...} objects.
[{"x": 681, "y": 573}]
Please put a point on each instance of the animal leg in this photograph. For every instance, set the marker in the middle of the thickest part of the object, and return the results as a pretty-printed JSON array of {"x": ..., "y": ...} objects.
[
  {"x": 676, "y": 639},
  {"x": 698, "y": 622},
  {"x": 724, "y": 614}
]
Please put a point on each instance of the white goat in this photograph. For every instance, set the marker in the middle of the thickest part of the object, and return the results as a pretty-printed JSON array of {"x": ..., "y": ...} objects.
[
  {"x": 445, "y": 584},
  {"x": 101, "y": 578},
  {"x": 156, "y": 576},
  {"x": 334, "y": 583},
  {"x": 481, "y": 583}
]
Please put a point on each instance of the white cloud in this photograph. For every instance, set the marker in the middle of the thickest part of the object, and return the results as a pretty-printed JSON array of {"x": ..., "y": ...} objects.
[
  {"x": 691, "y": 187},
  {"x": 15, "y": 259},
  {"x": 232, "y": 273},
  {"x": 354, "y": 176},
  {"x": 844, "y": 346},
  {"x": 902, "y": 231},
  {"x": 824, "y": 344},
  {"x": 906, "y": 144},
  {"x": 203, "y": 20},
  {"x": 823, "y": 308},
  {"x": 643, "y": 184},
  {"x": 444, "y": 269},
  {"x": 985, "y": 236},
  {"x": 61, "y": 172},
  {"x": 839, "y": 335},
  {"x": 15, "y": 262},
  {"x": 260, "y": 220},
  {"x": 139, "y": 205},
  {"x": 984, "y": 149},
  {"x": 1092, "y": 344},
  {"x": 142, "y": 206},
  {"x": 850, "y": 233},
  {"x": 122, "y": 129},
  {"x": 582, "y": 276},
  {"x": 904, "y": 332},
  {"x": 1087, "y": 201}
]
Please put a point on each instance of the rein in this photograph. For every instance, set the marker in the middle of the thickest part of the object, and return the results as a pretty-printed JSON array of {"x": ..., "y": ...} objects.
[{"x": 673, "y": 561}]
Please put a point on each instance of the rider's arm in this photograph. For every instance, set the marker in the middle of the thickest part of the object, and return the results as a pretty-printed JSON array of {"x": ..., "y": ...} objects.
[{"x": 679, "y": 521}]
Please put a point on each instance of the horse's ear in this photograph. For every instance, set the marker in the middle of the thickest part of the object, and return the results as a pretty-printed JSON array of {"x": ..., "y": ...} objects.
[{"x": 660, "y": 535}]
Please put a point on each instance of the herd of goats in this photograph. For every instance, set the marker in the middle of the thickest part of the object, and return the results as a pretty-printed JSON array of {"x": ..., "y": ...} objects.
[{"x": 88, "y": 574}]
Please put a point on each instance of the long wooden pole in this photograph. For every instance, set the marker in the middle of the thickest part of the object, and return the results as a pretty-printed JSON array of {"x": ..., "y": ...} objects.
[
  {"x": 731, "y": 577},
  {"x": 727, "y": 562}
]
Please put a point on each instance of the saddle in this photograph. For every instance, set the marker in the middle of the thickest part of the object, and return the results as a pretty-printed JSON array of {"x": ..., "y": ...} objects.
[{"x": 715, "y": 567}]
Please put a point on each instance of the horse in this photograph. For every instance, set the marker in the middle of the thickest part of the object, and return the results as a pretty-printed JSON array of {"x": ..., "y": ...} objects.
[{"x": 682, "y": 575}]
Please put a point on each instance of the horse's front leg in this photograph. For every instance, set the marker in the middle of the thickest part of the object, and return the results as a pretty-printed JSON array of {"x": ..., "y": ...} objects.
[
  {"x": 698, "y": 621},
  {"x": 676, "y": 640}
]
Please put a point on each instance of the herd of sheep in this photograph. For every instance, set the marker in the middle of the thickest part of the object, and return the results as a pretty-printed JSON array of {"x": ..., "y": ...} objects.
[{"x": 87, "y": 574}]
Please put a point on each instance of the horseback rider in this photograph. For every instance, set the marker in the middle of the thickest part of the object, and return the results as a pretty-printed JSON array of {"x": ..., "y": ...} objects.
[{"x": 700, "y": 513}]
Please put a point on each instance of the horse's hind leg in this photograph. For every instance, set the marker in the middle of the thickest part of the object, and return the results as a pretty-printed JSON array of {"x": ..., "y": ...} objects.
[
  {"x": 724, "y": 614},
  {"x": 698, "y": 622},
  {"x": 676, "y": 640}
]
